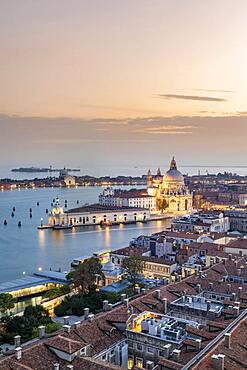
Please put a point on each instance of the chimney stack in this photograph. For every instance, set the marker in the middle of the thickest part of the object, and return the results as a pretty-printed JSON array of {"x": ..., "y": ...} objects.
[
  {"x": 86, "y": 313},
  {"x": 218, "y": 361},
  {"x": 137, "y": 290},
  {"x": 69, "y": 367},
  {"x": 230, "y": 256},
  {"x": 66, "y": 320},
  {"x": 123, "y": 296},
  {"x": 17, "y": 339},
  {"x": 41, "y": 331},
  {"x": 198, "y": 288},
  {"x": 167, "y": 349},
  {"x": 164, "y": 301},
  {"x": 198, "y": 344},
  {"x": 91, "y": 317},
  {"x": 157, "y": 293},
  {"x": 176, "y": 354},
  {"x": 210, "y": 286},
  {"x": 208, "y": 305},
  {"x": 67, "y": 328},
  {"x": 105, "y": 305},
  {"x": 228, "y": 288},
  {"x": 143, "y": 291},
  {"x": 228, "y": 340},
  {"x": 56, "y": 366},
  {"x": 18, "y": 353},
  {"x": 77, "y": 324},
  {"x": 126, "y": 302},
  {"x": 239, "y": 292}
]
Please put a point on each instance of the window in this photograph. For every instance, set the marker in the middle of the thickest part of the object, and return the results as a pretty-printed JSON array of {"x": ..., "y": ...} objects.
[
  {"x": 139, "y": 347},
  {"x": 130, "y": 362},
  {"x": 139, "y": 362},
  {"x": 150, "y": 350},
  {"x": 104, "y": 357},
  {"x": 131, "y": 344}
]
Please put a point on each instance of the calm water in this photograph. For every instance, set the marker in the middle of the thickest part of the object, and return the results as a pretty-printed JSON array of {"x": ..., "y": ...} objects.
[
  {"x": 124, "y": 170},
  {"x": 25, "y": 249}
]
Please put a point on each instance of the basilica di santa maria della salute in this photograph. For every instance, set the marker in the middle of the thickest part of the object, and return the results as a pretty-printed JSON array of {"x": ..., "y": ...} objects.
[{"x": 170, "y": 191}]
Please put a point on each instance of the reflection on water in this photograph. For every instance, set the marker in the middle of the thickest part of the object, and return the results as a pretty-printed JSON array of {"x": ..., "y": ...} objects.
[{"x": 27, "y": 249}]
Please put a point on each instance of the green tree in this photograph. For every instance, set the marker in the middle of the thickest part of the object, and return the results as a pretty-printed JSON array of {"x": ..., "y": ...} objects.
[
  {"x": 134, "y": 266},
  {"x": 86, "y": 276},
  {"x": 6, "y": 302}
]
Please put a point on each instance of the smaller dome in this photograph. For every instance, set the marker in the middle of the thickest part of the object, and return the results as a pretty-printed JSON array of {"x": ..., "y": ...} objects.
[{"x": 108, "y": 266}]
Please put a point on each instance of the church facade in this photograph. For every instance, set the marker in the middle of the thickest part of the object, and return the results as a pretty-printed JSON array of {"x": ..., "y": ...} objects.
[{"x": 170, "y": 191}]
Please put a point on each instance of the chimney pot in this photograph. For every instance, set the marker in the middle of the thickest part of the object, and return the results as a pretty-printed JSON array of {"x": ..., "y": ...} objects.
[
  {"x": 91, "y": 317},
  {"x": 18, "y": 353},
  {"x": 17, "y": 339},
  {"x": 157, "y": 294},
  {"x": 66, "y": 320},
  {"x": 176, "y": 354},
  {"x": 77, "y": 324},
  {"x": 105, "y": 305},
  {"x": 86, "y": 313},
  {"x": 123, "y": 296},
  {"x": 41, "y": 331},
  {"x": 228, "y": 340},
  {"x": 67, "y": 328},
  {"x": 167, "y": 349},
  {"x": 126, "y": 302},
  {"x": 56, "y": 366}
]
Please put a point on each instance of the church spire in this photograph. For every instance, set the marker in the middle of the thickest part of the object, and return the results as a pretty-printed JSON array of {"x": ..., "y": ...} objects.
[
  {"x": 158, "y": 172},
  {"x": 173, "y": 165}
]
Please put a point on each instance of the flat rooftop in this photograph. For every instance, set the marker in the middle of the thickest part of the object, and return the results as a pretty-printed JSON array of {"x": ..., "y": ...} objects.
[
  {"x": 39, "y": 278},
  {"x": 168, "y": 328},
  {"x": 99, "y": 208}
]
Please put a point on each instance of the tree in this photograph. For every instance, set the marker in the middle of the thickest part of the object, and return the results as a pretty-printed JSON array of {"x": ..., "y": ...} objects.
[
  {"x": 87, "y": 274},
  {"x": 134, "y": 266},
  {"x": 161, "y": 204},
  {"x": 6, "y": 302}
]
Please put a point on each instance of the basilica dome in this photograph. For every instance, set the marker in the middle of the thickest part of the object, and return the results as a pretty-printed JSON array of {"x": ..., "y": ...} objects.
[{"x": 173, "y": 175}]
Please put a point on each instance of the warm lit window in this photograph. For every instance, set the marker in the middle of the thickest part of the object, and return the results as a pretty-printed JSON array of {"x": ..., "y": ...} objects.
[
  {"x": 139, "y": 362},
  {"x": 130, "y": 362}
]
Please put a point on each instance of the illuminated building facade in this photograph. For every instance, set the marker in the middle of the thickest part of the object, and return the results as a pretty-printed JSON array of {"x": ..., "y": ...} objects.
[{"x": 170, "y": 191}]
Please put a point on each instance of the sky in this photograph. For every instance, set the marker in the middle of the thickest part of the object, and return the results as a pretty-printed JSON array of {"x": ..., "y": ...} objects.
[{"x": 123, "y": 83}]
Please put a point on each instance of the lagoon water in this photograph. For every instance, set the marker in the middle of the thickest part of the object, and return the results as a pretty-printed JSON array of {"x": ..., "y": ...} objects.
[{"x": 25, "y": 249}]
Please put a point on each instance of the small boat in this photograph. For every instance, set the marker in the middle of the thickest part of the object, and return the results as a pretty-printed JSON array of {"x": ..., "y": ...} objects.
[
  {"x": 30, "y": 210},
  {"x": 5, "y": 222},
  {"x": 13, "y": 209},
  {"x": 30, "y": 215},
  {"x": 37, "y": 203},
  {"x": 46, "y": 211},
  {"x": 62, "y": 227},
  {"x": 19, "y": 224}
]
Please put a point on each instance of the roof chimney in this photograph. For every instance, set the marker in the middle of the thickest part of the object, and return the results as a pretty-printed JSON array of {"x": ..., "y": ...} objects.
[
  {"x": 198, "y": 344},
  {"x": 123, "y": 296},
  {"x": 91, "y": 317},
  {"x": 137, "y": 290},
  {"x": 210, "y": 286},
  {"x": 230, "y": 256},
  {"x": 143, "y": 291},
  {"x": 228, "y": 288},
  {"x": 67, "y": 328},
  {"x": 105, "y": 305},
  {"x": 41, "y": 331},
  {"x": 227, "y": 340},
  {"x": 17, "y": 339},
  {"x": 18, "y": 353},
  {"x": 239, "y": 292},
  {"x": 164, "y": 301},
  {"x": 167, "y": 349},
  {"x": 77, "y": 324},
  {"x": 86, "y": 313},
  {"x": 56, "y": 366},
  {"x": 66, "y": 320},
  {"x": 126, "y": 302},
  {"x": 70, "y": 367},
  {"x": 157, "y": 293},
  {"x": 198, "y": 288},
  {"x": 218, "y": 361},
  {"x": 176, "y": 354}
]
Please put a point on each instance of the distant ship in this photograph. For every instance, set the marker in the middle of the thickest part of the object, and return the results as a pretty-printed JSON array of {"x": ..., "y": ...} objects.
[{"x": 43, "y": 169}]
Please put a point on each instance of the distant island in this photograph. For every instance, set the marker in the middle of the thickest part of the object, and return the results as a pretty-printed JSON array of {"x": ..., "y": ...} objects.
[{"x": 43, "y": 169}]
